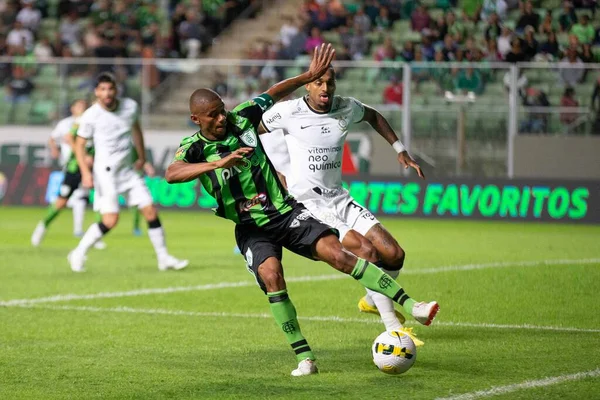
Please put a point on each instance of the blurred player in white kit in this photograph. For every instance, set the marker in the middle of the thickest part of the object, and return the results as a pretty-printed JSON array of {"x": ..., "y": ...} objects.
[{"x": 113, "y": 124}]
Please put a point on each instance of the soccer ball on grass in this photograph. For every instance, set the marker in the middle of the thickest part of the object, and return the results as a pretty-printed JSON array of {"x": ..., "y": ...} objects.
[{"x": 394, "y": 352}]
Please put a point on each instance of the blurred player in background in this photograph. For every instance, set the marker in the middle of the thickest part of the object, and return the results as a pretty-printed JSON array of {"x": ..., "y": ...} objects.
[
  {"x": 113, "y": 125},
  {"x": 315, "y": 127},
  {"x": 61, "y": 144},
  {"x": 227, "y": 157}
]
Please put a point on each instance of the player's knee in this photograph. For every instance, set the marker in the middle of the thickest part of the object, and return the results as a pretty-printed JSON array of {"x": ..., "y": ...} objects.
[
  {"x": 150, "y": 213},
  {"x": 271, "y": 273},
  {"x": 110, "y": 220},
  {"x": 273, "y": 280}
]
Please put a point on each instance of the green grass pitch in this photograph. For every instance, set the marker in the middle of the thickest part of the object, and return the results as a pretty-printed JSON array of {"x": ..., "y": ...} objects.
[{"x": 519, "y": 303}]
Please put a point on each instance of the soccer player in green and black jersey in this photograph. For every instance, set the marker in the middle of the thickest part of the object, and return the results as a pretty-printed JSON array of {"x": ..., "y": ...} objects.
[{"x": 227, "y": 157}]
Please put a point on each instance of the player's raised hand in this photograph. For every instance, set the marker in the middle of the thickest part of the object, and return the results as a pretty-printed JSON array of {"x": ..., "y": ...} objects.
[
  {"x": 406, "y": 160},
  {"x": 322, "y": 57},
  {"x": 235, "y": 158}
]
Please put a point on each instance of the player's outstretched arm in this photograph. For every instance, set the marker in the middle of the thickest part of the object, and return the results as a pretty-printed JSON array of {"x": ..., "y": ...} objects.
[
  {"x": 80, "y": 156},
  {"x": 323, "y": 55},
  {"x": 138, "y": 143},
  {"x": 381, "y": 125},
  {"x": 181, "y": 171}
]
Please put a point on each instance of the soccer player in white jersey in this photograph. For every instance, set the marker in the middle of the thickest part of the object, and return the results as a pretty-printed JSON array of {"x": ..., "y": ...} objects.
[
  {"x": 113, "y": 126},
  {"x": 70, "y": 192},
  {"x": 315, "y": 128}
]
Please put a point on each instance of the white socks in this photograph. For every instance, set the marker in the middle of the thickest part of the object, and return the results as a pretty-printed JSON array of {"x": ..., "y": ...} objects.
[
  {"x": 157, "y": 237},
  {"x": 92, "y": 235},
  {"x": 385, "y": 305},
  {"x": 78, "y": 215}
]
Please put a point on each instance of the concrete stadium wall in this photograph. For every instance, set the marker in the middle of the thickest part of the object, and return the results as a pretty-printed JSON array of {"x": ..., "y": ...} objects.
[{"x": 558, "y": 157}]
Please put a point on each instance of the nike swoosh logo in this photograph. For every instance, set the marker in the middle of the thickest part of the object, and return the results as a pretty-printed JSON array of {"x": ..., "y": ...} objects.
[{"x": 304, "y": 127}]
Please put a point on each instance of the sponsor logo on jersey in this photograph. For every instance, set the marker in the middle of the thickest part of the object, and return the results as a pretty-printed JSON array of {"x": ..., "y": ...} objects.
[
  {"x": 249, "y": 138},
  {"x": 260, "y": 198},
  {"x": 274, "y": 118},
  {"x": 325, "y": 130},
  {"x": 323, "y": 158}
]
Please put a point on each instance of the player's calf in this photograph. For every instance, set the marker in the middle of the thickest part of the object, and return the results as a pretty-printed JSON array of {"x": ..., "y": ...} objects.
[
  {"x": 391, "y": 256},
  {"x": 360, "y": 246},
  {"x": 271, "y": 274}
]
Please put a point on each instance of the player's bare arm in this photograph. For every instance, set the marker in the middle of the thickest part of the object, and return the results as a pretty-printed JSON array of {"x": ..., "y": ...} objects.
[
  {"x": 80, "y": 155},
  {"x": 321, "y": 60},
  {"x": 138, "y": 143},
  {"x": 181, "y": 171},
  {"x": 381, "y": 125},
  {"x": 54, "y": 150}
]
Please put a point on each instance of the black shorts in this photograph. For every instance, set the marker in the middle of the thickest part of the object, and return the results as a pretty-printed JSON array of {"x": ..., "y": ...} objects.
[
  {"x": 70, "y": 183},
  {"x": 297, "y": 231}
]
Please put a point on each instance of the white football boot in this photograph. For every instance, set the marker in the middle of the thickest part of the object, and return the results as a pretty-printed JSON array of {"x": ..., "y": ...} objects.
[
  {"x": 306, "y": 367},
  {"x": 425, "y": 312},
  {"x": 76, "y": 260},
  {"x": 170, "y": 262},
  {"x": 38, "y": 234}
]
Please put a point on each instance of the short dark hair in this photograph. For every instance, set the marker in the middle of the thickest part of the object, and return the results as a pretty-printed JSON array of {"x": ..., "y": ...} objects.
[{"x": 106, "y": 77}]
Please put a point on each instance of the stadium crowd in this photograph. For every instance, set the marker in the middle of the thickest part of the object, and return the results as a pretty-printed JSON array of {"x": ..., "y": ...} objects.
[
  {"x": 112, "y": 28},
  {"x": 477, "y": 32},
  {"x": 473, "y": 31}
]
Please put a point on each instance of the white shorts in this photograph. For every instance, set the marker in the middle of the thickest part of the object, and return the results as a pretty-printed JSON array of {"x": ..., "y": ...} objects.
[
  {"x": 109, "y": 185},
  {"x": 339, "y": 210}
]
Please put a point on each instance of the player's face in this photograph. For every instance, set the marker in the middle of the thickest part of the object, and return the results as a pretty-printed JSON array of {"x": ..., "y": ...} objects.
[
  {"x": 78, "y": 108},
  {"x": 106, "y": 94},
  {"x": 321, "y": 91},
  {"x": 212, "y": 119}
]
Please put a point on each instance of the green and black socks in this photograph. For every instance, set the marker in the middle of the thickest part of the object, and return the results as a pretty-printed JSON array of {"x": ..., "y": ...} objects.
[
  {"x": 375, "y": 279},
  {"x": 285, "y": 315},
  {"x": 50, "y": 215}
]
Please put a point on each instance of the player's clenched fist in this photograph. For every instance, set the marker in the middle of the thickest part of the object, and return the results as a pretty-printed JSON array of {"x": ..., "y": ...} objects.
[{"x": 236, "y": 158}]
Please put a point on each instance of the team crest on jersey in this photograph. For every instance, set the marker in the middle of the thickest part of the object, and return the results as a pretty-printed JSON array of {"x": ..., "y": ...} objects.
[
  {"x": 249, "y": 138},
  {"x": 180, "y": 152}
]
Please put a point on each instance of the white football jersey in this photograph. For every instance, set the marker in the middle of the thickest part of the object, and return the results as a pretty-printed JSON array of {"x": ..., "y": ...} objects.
[
  {"x": 111, "y": 133},
  {"x": 315, "y": 140},
  {"x": 62, "y": 128},
  {"x": 276, "y": 148}
]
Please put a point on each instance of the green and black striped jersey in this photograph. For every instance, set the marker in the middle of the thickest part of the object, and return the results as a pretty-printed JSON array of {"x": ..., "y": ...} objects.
[{"x": 249, "y": 194}]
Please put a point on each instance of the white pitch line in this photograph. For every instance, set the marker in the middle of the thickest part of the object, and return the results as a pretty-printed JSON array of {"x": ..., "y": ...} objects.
[
  {"x": 161, "y": 311},
  {"x": 309, "y": 278},
  {"x": 498, "y": 390}
]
